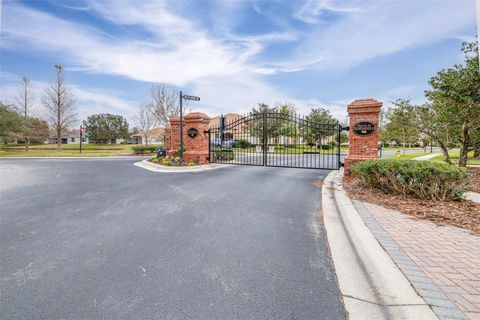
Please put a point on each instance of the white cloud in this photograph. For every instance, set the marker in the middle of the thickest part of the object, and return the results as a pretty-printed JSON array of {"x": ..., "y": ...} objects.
[
  {"x": 179, "y": 54},
  {"x": 311, "y": 11},
  {"x": 226, "y": 69},
  {"x": 379, "y": 28}
]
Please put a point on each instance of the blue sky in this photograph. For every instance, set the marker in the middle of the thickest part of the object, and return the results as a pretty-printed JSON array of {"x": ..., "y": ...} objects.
[{"x": 232, "y": 54}]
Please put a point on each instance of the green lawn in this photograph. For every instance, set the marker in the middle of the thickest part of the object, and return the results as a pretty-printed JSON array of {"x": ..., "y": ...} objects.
[
  {"x": 454, "y": 155},
  {"x": 68, "y": 150}
]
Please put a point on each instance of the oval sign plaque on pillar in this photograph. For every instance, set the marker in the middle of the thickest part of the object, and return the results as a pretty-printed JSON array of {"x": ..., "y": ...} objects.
[
  {"x": 192, "y": 132},
  {"x": 364, "y": 128}
]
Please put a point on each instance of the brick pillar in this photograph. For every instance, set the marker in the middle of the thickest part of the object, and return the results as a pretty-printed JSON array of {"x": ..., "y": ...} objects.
[
  {"x": 174, "y": 136},
  {"x": 363, "y": 135},
  {"x": 195, "y": 137},
  {"x": 168, "y": 138}
]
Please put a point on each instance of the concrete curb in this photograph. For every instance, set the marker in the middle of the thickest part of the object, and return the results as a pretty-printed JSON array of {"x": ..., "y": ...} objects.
[
  {"x": 371, "y": 284},
  {"x": 147, "y": 165}
]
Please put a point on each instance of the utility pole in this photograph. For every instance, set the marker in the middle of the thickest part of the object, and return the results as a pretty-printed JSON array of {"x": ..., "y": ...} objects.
[
  {"x": 81, "y": 137},
  {"x": 181, "y": 126},
  {"x": 26, "y": 82}
]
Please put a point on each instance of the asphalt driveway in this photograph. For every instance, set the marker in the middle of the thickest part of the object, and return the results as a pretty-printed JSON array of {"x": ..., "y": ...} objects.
[{"x": 103, "y": 239}]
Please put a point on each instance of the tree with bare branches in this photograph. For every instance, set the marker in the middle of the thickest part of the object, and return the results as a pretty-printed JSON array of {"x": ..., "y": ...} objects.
[
  {"x": 59, "y": 100},
  {"x": 25, "y": 101},
  {"x": 145, "y": 120},
  {"x": 166, "y": 103}
]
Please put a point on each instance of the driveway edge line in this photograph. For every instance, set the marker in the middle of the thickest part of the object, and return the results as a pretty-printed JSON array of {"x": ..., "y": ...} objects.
[{"x": 372, "y": 286}]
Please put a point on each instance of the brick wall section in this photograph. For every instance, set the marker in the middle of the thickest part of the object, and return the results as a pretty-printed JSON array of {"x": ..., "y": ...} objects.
[
  {"x": 362, "y": 147},
  {"x": 174, "y": 136},
  {"x": 196, "y": 149},
  {"x": 168, "y": 138}
]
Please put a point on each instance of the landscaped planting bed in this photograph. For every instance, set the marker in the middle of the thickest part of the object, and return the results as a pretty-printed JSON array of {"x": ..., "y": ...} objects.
[
  {"x": 424, "y": 190},
  {"x": 171, "y": 162}
]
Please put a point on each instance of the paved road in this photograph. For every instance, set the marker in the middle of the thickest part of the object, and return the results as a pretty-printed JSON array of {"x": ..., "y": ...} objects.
[{"x": 103, "y": 239}]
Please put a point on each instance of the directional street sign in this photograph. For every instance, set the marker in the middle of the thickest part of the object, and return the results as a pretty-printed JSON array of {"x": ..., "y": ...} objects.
[{"x": 194, "y": 98}]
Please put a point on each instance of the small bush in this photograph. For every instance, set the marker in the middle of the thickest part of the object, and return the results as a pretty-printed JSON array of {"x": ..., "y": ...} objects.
[
  {"x": 223, "y": 154},
  {"x": 143, "y": 149},
  {"x": 327, "y": 147},
  {"x": 420, "y": 179},
  {"x": 242, "y": 143},
  {"x": 164, "y": 161}
]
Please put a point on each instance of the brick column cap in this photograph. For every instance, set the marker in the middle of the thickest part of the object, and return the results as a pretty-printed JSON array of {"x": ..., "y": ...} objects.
[
  {"x": 175, "y": 120},
  {"x": 197, "y": 116},
  {"x": 364, "y": 106}
]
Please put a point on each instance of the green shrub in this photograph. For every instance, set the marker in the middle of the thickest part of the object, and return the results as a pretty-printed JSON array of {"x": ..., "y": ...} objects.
[
  {"x": 420, "y": 179},
  {"x": 332, "y": 143},
  {"x": 242, "y": 143},
  {"x": 223, "y": 154},
  {"x": 143, "y": 149},
  {"x": 327, "y": 147}
]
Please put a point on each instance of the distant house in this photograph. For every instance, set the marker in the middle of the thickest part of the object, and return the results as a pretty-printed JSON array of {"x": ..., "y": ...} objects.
[
  {"x": 155, "y": 136},
  {"x": 229, "y": 118},
  {"x": 69, "y": 137}
]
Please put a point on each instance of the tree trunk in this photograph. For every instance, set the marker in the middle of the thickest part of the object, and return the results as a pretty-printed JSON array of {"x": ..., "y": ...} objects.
[
  {"x": 465, "y": 141},
  {"x": 446, "y": 156},
  {"x": 59, "y": 138},
  {"x": 146, "y": 141},
  {"x": 462, "y": 159}
]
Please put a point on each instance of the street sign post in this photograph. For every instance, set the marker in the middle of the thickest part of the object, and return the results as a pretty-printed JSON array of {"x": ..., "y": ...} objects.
[
  {"x": 194, "y": 98},
  {"x": 82, "y": 129},
  {"x": 186, "y": 97}
]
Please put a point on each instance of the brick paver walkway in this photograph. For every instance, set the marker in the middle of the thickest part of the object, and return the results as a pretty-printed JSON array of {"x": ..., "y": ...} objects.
[{"x": 449, "y": 256}]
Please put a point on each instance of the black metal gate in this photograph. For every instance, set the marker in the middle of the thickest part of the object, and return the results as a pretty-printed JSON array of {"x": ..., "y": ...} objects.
[{"x": 275, "y": 139}]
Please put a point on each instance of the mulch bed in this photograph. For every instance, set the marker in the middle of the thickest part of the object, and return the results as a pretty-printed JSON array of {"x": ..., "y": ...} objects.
[
  {"x": 464, "y": 214},
  {"x": 475, "y": 178}
]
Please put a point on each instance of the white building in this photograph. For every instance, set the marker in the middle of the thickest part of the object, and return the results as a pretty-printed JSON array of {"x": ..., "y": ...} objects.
[{"x": 69, "y": 137}]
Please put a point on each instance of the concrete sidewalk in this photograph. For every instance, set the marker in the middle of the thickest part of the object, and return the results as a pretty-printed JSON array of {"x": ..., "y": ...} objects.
[
  {"x": 426, "y": 157},
  {"x": 442, "y": 264},
  {"x": 447, "y": 257},
  {"x": 372, "y": 286}
]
